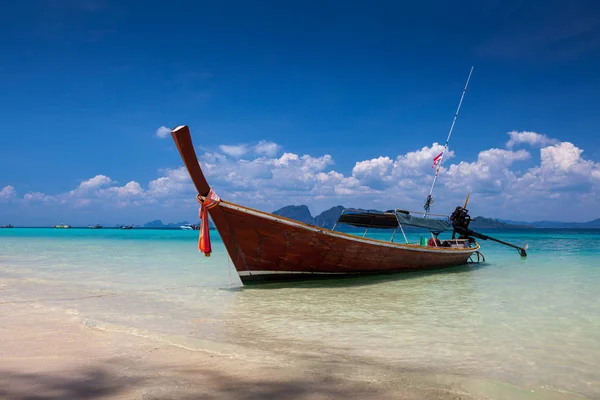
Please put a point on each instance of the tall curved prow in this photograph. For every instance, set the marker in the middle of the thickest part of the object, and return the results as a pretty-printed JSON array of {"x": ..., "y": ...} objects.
[{"x": 183, "y": 141}]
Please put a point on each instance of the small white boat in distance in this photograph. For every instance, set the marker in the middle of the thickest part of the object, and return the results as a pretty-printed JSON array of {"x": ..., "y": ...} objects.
[
  {"x": 187, "y": 227},
  {"x": 62, "y": 226}
]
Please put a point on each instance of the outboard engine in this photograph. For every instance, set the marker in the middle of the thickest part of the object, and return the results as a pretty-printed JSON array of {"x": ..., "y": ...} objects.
[{"x": 461, "y": 219}]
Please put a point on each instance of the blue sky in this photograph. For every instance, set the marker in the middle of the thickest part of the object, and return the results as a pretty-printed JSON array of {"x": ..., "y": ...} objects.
[{"x": 362, "y": 90}]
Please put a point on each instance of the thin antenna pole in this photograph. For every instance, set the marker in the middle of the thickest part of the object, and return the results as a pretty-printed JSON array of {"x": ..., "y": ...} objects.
[{"x": 429, "y": 200}]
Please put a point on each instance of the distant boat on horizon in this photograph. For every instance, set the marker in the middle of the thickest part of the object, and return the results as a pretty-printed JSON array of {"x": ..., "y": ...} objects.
[
  {"x": 62, "y": 226},
  {"x": 126, "y": 227},
  {"x": 97, "y": 226},
  {"x": 7, "y": 226},
  {"x": 189, "y": 227}
]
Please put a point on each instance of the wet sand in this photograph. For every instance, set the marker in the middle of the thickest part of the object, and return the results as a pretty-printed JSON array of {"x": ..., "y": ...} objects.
[{"x": 48, "y": 354}]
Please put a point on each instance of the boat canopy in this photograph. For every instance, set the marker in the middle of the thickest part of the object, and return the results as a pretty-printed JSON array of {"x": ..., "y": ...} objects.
[
  {"x": 369, "y": 219},
  {"x": 391, "y": 219},
  {"x": 433, "y": 224}
]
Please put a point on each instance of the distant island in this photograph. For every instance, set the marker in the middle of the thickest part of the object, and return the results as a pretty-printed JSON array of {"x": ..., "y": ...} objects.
[
  {"x": 158, "y": 224},
  {"x": 328, "y": 218},
  {"x": 301, "y": 213}
]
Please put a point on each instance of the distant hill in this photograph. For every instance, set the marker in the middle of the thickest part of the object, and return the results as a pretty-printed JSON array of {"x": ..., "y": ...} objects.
[
  {"x": 595, "y": 224},
  {"x": 301, "y": 213},
  {"x": 590, "y": 224},
  {"x": 157, "y": 223},
  {"x": 297, "y": 213},
  {"x": 489, "y": 223},
  {"x": 328, "y": 218}
]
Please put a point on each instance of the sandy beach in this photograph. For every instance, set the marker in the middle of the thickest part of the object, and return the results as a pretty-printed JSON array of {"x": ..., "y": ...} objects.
[
  {"x": 47, "y": 354},
  {"x": 88, "y": 314}
]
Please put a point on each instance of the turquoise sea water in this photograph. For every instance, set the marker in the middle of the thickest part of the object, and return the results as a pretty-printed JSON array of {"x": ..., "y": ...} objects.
[{"x": 529, "y": 325}]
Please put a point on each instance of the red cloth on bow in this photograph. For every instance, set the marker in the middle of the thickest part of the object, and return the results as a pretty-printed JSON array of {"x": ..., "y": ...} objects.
[
  {"x": 204, "y": 239},
  {"x": 211, "y": 200}
]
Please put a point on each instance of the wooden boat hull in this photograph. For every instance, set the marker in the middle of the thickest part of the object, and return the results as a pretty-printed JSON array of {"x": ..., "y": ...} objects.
[{"x": 266, "y": 248}]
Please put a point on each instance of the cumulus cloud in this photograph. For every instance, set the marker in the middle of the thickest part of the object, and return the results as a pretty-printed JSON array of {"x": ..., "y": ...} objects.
[
  {"x": 173, "y": 183},
  {"x": 234, "y": 151},
  {"x": 372, "y": 172},
  {"x": 34, "y": 196},
  {"x": 561, "y": 168},
  {"x": 415, "y": 163},
  {"x": 267, "y": 148},
  {"x": 556, "y": 175},
  {"x": 264, "y": 148},
  {"x": 38, "y": 197},
  {"x": 401, "y": 171},
  {"x": 95, "y": 182},
  {"x": 8, "y": 192},
  {"x": 489, "y": 173},
  {"x": 530, "y": 138},
  {"x": 130, "y": 189},
  {"x": 163, "y": 132}
]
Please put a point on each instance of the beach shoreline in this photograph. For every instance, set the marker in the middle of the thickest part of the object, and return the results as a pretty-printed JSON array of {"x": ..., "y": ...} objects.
[
  {"x": 53, "y": 355},
  {"x": 117, "y": 316},
  {"x": 49, "y": 354}
]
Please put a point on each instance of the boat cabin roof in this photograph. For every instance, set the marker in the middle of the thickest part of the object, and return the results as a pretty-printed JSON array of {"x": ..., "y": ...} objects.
[
  {"x": 369, "y": 219},
  {"x": 391, "y": 219}
]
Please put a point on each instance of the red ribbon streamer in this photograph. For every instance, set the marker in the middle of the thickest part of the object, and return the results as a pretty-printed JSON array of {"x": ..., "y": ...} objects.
[{"x": 210, "y": 201}]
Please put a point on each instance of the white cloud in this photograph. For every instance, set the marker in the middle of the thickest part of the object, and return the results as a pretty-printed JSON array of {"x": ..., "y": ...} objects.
[
  {"x": 8, "y": 192},
  {"x": 489, "y": 173},
  {"x": 501, "y": 157},
  {"x": 561, "y": 168},
  {"x": 174, "y": 182},
  {"x": 564, "y": 157},
  {"x": 34, "y": 196},
  {"x": 267, "y": 148},
  {"x": 39, "y": 197},
  {"x": 131, "y": 189},
  {"x": 95, "y": 182},
  {"x": 374, "y": 170},
  {"x": 262, "y": 148},
  {"x": 531, "y": 138},
  {"x": 502, "y": 182},
  {"x": 234, "y": 151},
  {"x": 415, "y": 163},
  {"x": 163, "y": 132},
  {"x": 385, "y": 171}
]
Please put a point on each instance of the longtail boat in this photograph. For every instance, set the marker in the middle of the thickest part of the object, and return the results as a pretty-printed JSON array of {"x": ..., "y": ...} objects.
[{"x": 265, "y": 247}]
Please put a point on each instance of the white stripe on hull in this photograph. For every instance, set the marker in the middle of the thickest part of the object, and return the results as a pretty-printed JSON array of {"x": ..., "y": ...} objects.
[{"x": 253, "y": 273}]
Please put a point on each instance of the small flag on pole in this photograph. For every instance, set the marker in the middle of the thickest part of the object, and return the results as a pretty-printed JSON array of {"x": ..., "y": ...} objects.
[{"x": 437, "y": 159}]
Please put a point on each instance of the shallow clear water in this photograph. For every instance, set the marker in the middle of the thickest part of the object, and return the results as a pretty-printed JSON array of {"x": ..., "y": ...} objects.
[{"x": 533, "y": 323}]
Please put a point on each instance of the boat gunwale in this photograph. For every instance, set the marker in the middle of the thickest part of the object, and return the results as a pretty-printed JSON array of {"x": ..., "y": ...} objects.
[{"x": 347, "y": 236}]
